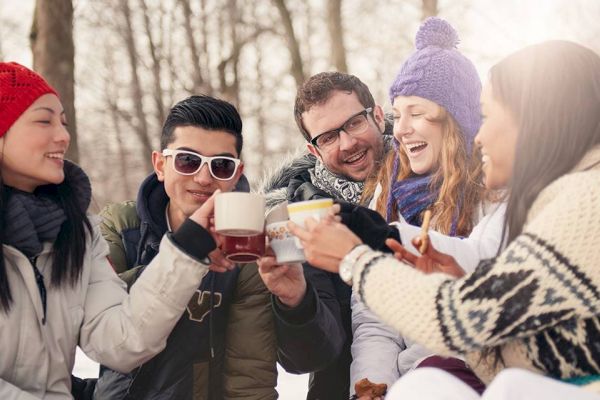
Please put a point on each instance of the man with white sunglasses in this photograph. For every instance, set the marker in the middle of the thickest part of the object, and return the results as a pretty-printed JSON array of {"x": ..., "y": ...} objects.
[{"x": 223, "y": 347}]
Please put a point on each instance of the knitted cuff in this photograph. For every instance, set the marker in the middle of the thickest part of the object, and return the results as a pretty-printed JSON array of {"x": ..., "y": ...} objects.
[
  {"x": 361, "y": 269},
  {"x": 194, "y": 240}
]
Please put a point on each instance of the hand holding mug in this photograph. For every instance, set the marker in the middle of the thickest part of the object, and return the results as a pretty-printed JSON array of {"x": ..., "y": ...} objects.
[
  {"x": 285, "y": 281},
  {"x": 203, "y": 216},
  {"x": 325, "y": 242}
]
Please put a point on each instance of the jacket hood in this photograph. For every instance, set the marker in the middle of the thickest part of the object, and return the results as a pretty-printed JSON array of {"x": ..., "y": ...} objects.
[
  {"x": 275, "y": 182},
  {"x": 152, "y": 201}
]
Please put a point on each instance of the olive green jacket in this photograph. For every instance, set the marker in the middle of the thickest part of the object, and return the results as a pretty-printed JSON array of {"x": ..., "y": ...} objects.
[{"x": 249, "y": 360}]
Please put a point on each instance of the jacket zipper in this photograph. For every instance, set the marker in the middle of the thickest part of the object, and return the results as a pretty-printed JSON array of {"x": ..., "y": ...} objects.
[{"x": 39, "y": 280}]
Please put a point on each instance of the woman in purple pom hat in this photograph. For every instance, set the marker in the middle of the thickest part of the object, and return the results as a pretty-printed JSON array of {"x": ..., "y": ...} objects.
[{"x": 435, "y": 99}]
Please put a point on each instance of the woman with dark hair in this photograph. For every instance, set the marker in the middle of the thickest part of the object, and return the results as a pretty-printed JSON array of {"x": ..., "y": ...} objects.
[
  {"x": 536, "y": 304},
  {"x": 57, "y": 288}
]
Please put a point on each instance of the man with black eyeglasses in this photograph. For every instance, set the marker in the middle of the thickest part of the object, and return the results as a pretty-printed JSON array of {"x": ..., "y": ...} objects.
[
  {"x": 223, "y": 347},
  {"x": 345, "y": 134}
]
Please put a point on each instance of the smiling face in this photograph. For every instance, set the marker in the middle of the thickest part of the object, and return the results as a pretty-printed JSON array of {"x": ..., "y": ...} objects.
[
  {"x": 419, "y": 135},
  {"x": 497, "y": 139},
  {"x": 33, "y": 148},
  {"x": 354, "y": 157},
  {"x": 188, "y": 192}
]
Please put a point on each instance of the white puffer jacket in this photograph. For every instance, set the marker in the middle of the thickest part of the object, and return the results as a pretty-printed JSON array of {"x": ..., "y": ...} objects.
[{"x": 112, "y": 327}]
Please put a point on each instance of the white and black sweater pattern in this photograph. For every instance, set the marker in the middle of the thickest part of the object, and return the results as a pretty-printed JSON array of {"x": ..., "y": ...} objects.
[{"x": 538, "y": 302}]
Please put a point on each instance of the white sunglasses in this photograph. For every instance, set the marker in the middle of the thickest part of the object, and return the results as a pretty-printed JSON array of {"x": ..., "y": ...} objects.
[{"x": 189, "y": 163}]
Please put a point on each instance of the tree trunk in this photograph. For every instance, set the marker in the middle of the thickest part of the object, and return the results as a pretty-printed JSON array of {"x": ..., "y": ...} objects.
[
  {"x": 111, "y": 96},
  {"x": 228, "y": 67},
  {"x": 205, "y": 35},
  {"x": 261, "y": 124},
  {"x": 430, "y": 8},
  {"x": 54, "y": 57},
  {"x": 141, "y": 127},
  {"x": 309, "y": 27},
  {"x": 156, "y": 70},
  {"x": 197, "y": 78},
  {"x": 336, "y": 34},
  {"x": 234, "y": 87},
  {"x": 297, "y": 70}
]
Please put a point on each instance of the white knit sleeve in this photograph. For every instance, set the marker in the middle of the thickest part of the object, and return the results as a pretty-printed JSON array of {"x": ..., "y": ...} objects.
[{"x": 546, "y": 276}]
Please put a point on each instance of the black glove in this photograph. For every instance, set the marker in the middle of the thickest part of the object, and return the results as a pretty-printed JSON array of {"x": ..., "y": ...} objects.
[
  {"x": 82, "y": 389},
  {"x": 368, "y": 225}
]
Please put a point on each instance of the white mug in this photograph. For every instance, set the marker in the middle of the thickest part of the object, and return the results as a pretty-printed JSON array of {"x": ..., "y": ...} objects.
[
  {"x": 239, "y": 214},
  {"x": 283, "y": 243}
]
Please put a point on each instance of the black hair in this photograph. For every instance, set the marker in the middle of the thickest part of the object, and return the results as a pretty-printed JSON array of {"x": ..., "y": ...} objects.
[
  {"x": 205, "y": 112},
  {"x": 69, "y": 247},
  {"x": 553, "y": 91}
]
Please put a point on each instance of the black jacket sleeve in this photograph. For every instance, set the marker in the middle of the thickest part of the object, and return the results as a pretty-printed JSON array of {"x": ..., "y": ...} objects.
[{"x": 311, "y": 335}]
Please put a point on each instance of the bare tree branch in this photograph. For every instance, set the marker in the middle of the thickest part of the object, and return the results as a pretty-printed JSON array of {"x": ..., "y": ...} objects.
[
  {"x": 199, "y": 85},
  {"x": 141, "y": 127},
  {"x": 205, "y": 53},
  {"x": 156, "y": 69},
  {"x": 297, "y": 69}
]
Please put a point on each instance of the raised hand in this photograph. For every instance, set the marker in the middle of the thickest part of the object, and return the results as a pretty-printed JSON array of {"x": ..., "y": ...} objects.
[
  {"x": 204, "y": 216},
  {"x": 325, "y": 242},
  {"x": 284, "y": 281},
  {"x": 430, "y": 262},
  {"x": 218, "y": 261}
]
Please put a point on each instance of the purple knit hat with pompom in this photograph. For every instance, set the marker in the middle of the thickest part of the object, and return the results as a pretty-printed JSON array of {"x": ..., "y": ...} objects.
[{"x": 436, "y": 71}]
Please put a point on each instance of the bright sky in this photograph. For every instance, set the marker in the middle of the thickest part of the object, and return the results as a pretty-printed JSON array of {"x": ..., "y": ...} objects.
[{"x": 497, "y": 28}]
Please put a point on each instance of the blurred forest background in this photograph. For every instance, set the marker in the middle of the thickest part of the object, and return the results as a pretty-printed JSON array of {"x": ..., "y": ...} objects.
[{"x": 121, "y": 64}]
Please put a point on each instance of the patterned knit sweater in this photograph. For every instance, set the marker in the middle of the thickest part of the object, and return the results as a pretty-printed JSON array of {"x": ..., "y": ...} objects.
[{"x": 538, "y": 302}]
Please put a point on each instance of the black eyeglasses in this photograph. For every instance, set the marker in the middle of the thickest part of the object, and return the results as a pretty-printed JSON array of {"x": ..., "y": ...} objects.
[
  {"x": 189, "y": 163},
  {"x": 354, "y": 126}
]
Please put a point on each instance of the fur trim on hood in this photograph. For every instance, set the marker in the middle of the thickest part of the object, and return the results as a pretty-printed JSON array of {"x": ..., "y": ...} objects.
[{"x": 274, "y": 182}]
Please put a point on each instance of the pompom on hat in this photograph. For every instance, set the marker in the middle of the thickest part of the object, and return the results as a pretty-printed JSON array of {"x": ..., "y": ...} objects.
[
  {"x": 20, "y": 87},
  {"x": 437, "y": 71}
]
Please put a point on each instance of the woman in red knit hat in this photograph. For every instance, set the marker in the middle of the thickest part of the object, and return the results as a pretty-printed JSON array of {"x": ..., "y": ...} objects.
[{"x": 57, "y": 288}]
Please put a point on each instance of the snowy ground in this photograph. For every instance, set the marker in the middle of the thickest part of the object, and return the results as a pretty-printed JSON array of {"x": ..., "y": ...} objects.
[{"x": 290, "y": 387}]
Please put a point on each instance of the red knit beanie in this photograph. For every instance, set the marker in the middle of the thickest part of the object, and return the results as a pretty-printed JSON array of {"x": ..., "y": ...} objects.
[{"x": 19, "y": 88}]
